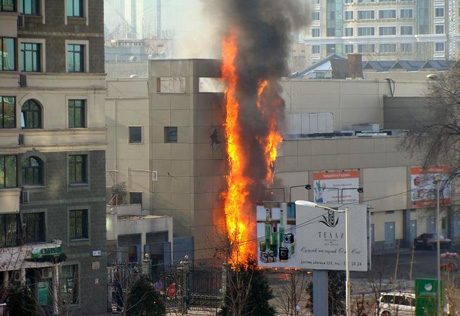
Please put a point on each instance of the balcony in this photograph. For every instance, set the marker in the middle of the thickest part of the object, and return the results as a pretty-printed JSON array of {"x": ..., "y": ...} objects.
[{"x": 9, "y": 200}]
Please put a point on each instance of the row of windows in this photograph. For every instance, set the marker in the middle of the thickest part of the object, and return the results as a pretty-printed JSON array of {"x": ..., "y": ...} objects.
[
  {"x": 32, "y": 171},
  {"x": 363, "y": 1},
  {"x": 135, "y": 134},
  {"x": 32, "y": 7},
  {"x": 383, "y": 30},
  {"x": 371, "y": 48},
  {"x": 383, "y": 14},
  {"x": 32, "y": 113},
  {"x": 31, "y": 56}
]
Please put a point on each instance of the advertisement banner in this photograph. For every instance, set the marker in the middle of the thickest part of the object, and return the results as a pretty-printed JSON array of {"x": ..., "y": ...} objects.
[
  {"x": 426, "y": 297},
  {"x": 312, "y": 238},
  {"x": 423, "y": 186},
  {"x": 336, "y": 187}
]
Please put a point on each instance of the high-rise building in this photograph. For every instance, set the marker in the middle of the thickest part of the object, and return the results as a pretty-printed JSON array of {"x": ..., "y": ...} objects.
[
  {"x": 384, "y": 29},
  {"x": 52, "y": 153}
]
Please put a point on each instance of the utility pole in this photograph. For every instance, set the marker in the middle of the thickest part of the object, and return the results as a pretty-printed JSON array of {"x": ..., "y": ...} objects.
[{"x": 158, "y": 19}]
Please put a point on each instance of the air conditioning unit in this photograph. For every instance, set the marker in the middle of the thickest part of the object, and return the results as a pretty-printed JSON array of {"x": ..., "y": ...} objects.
[
  {"x": 25, "y": 197},
  {"x": 21, "y": 139},
  {"x": 47, "y": 273},
  {"x": 21, "y": 21},
  {"x": 22, "y": 80},
  {"x": 154, "y": 176}
]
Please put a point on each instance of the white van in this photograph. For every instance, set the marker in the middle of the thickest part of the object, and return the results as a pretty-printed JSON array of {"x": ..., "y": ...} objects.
[{"x": 397, "y": 304}]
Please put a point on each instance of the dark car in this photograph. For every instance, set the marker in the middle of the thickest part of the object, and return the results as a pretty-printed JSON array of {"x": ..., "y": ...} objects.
[{"x": 428, "y": 241}]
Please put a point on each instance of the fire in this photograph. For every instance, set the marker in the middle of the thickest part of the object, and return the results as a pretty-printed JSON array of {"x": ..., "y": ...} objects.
[{"x": 237, "y": 204}]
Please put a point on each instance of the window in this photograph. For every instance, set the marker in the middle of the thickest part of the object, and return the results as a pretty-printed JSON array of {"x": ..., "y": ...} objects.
[
  {"x": 34, "y": 230},
  {"x": 348, "y": 31},
  {"x": 135, "y": 134},
  {"x": 330, "y": 49},
  {"x": 76, "y": 58},
  {"x": 348, "y": 1},
  {"x": 32, "y": 171},
  {"x": 7, "y": 112},
  {"x": 78, "y": 169},
  {"x": 315, "y": 33},
  {"x": 315, "y": 16},
  {"x": 387, "y": 14},
  {"x": 316, "y": 1},
  {"x": 348, "y": 15},
  {"x": 387, "y": 48},
  {"x": 8, "y": 172},
  {"x": 135, "y": 198},
  {"x": 348, "y": 49},
  {"x": 439, "y": 12},
  {"x": 29, "y": 7},
  {"x": 330, "y": 31},
  {"x": 7, "y": 5},
  {"x": 69, "y": 285},
  {"x": 75, "y": 8},
  {"x": 78, "y": 224},
  {"x": 366, "y": 48},
  {"x": 8, "y": 230},
  {"x": 439, "y": 47},
  {"x": 366, "y": 31},
  {"x": 316, "y": 49},
  {"x": 170, "y": 134},
  {"x": 406, "y": 14},
  {"x": 439, "y": 29},
  {"x": 31, "y": 115},
  {"x": 77, "y": 113},
  {"x": 406, "y": 47},
  {"x": 366, "y": 15},
  {"x": 30, "y": 57},
  {"x": 407, "y": 30},
  {"x": 7, "y": 54},
  {"x": 387, "y": 30},
  {"x": 366, "y": 1}
]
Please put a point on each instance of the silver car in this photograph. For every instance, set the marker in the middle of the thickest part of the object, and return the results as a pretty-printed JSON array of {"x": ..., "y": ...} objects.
[{"x": 397, "y": 304}]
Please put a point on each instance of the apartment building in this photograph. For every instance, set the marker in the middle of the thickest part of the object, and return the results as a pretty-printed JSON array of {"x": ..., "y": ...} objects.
[
  {"x": 52, "y": 152},
  {"x": 389, "y": 29}
]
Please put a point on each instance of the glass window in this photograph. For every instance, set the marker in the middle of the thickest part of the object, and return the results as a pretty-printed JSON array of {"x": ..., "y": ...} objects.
[
  {"x": 348, "y": 1},
  {"x": 29, "y": 7},
  {"x": 348, "y": 15},
  {"x": 315, "y": 16},
  {"x": 77, "y": 113},
  {"x": 366, "y": 15},
  {"x": 135, "y": 198},
  {"x": 135, "y": 134},
  {"x": 439, "y": 47},
  {"x": 330, "y": 31},
  {"x": 366, "y": 1},
  {"x": 8, "y": 172},
  {"x": 76, "y": 58},
  {"x": 9, "y": 230},
  {"x": 387, "y": 30},
  {"x": 316, "y": 1},
  {"x": 78, "y": 169},
  {"x": 75, "y": 8},
  {"x": 407, "y": 30},
  {"x": 406, "y": 47},
  {"x": 406, "y": 13},
  {"x": 439, "y": 12},
  {"x": 31, "y": 115},
  {"x": 69, "y": 285},
  {"x": 366, "y": 31},
  {"x": 34, "y": 227},
  {"x": 366, "y": 48},
  {"x": 315, "y": 49},
  {"x": 32, "y": 171},
  {"x": 7, "y": 54},
  {"x": 7, "y": 112},
  {"x": 387, "y": 14},
  {"x": 170, "y": 134},
  {"x": 387, "y": 48},
  {"x": 315, "y": 32},
  {"x": 439, "y": 29},
  {"x": 349, "y": 49},
  {"x": 348, "y": 31},
  {"x": 7, "y": 5},
  {"x": 78, "y": 224},
  {"x": 30, "y": 57}
]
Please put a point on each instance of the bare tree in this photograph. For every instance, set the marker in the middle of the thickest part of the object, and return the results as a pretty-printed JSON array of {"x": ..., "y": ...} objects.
[{"x": 292, "y": 294}]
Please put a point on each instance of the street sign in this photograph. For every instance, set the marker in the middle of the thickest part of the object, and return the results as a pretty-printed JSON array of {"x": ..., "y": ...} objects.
[
  {"x": 172, "y": 290},
  {"x": 426, "y": 297}
]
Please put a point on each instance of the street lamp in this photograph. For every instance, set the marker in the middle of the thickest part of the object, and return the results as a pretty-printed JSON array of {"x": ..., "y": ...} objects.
[
  {"x": 438, "y": 244},
  {"x": 347, "y": 254}
]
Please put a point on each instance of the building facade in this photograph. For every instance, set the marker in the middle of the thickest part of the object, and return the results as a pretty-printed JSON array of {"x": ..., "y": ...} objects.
[
  {"x": 389, "y": 29},
  {"x": 52, "y": 152}
]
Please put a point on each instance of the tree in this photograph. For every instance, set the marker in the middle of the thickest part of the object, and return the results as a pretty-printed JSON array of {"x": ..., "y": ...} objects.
[
  {"x": 289, "y": 295},
  {"x": 435, "y": 134},
  {"x": 336, "y": 292},
  {"x": 21, "y": 302},
  {"x": 248, "y": 292},
  {"x": 144, "y": 301}
]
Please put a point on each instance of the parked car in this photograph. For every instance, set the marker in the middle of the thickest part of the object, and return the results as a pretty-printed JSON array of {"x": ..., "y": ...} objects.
[
  {"x": 396, "y": 304},
  {"x": 428, "y": 241}
]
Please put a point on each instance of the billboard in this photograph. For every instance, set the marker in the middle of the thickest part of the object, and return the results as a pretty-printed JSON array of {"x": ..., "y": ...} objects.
[
  {"x": 423, "y": 186},
  {"x": 312, "y": 238},
  {"x": 336, "y": 187}
]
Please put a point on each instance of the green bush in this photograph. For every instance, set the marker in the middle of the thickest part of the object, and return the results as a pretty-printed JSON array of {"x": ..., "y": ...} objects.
[{"x": 144, "y": 301}]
